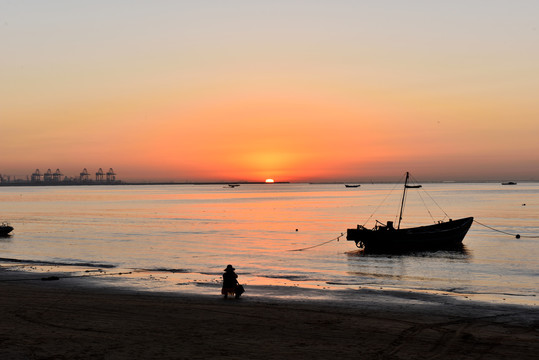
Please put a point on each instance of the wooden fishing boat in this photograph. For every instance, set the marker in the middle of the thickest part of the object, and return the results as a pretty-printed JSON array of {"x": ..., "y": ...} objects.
[
  {"x": 5, "y": 229},
  {"x": 385, "y": 238},
  {"x": 352, "y": 185}
]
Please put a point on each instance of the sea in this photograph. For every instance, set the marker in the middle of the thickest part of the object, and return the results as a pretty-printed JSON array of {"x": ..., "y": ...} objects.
[{"x": 286, "y": 241}]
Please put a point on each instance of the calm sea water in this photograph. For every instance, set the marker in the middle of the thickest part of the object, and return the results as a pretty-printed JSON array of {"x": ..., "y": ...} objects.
[{"x": 179, "y": 238}]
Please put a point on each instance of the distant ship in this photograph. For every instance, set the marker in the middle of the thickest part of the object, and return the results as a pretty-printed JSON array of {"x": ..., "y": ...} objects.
[
  {"x": 352, "y": 185},
  {"x": 5, "y": 229},
  {"x": 509, "y": 183}
]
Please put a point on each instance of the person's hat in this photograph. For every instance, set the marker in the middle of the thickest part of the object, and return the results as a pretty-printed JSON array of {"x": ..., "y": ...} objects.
[{"x": 229, "y": 268}]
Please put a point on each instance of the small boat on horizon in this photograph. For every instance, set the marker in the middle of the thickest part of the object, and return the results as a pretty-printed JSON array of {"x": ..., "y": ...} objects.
[
  {"x": 5, "y": 229},
  {"x": 352, "y": 185},
  {"x": 509, "y": 183},
  {"x": 385, "y": 238}
]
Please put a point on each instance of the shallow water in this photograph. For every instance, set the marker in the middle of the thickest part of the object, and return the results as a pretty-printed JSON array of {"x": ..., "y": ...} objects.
[{"x": 179, "y": 238}]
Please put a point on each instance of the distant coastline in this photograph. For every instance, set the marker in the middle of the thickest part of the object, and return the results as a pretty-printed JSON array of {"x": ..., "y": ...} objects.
[
  {"x": 95, "y": 183},
  {"x": 225, "y": 183}
]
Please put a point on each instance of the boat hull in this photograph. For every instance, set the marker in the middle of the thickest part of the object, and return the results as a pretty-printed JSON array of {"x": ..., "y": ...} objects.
[
  {"x": 5, "y": 230},
  {"x": 442, "y": 236}
]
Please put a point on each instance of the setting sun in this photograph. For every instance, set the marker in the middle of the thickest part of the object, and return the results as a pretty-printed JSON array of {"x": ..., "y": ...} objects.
[{"x": 269, "y": 181}]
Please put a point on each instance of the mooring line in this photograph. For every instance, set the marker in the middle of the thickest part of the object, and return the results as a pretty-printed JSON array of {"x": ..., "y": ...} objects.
[
  {"x": 518, "y": 236},
  {"x": 325, "y": 242}
]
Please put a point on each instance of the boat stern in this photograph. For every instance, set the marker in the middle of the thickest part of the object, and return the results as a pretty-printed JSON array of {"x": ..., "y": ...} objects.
[{"x": 356, "y": 235}]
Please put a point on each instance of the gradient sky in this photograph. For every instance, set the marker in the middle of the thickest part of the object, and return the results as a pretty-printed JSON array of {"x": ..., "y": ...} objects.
[{"x": 291, "y": 90}]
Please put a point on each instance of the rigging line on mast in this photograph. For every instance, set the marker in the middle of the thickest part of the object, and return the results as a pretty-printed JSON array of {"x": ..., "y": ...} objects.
[
  {"x": 439, "y": 207},
  {"x": 414, "y": 180},
  {"x": 434, "y": 201},
  {"x": 425, "y": 205},
  {"x": 379, "y": 205},
  {"x": 415, "y": 184}
]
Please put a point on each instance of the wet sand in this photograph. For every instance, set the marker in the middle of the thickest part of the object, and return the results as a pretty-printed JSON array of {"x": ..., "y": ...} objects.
[{"x": 65, "y": 320}]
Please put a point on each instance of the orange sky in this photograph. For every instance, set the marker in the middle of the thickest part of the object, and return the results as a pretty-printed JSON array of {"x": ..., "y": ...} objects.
[{"x": 332, "y": 91}]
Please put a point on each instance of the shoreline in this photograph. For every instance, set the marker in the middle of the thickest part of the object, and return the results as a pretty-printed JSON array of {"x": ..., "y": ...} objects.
[
  {"x": 172, "y": 281},
  {"x": 74, "y": 319}
]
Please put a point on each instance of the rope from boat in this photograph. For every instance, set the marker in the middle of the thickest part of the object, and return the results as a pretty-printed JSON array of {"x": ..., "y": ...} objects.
[
  {"x": 324, "y": 243},
  {"x": 518, "y": 236}
]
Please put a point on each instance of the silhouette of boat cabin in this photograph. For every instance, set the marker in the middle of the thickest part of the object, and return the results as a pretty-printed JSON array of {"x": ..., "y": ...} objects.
[{"x": 385, "y": 238}]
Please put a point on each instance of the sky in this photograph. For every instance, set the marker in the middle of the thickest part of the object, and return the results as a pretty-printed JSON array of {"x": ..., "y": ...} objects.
[{"x": 292, "y": 90}]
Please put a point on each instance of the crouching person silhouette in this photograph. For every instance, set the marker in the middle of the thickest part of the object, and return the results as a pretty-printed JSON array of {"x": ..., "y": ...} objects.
[{"x": 230, "y": 283}]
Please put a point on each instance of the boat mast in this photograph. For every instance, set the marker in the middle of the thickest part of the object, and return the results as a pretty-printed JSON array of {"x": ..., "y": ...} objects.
[{"x": 403, "y": 197}]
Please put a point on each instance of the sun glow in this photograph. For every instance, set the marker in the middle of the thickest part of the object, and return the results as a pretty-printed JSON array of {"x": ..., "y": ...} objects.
[{"x": 269, "y": 181}]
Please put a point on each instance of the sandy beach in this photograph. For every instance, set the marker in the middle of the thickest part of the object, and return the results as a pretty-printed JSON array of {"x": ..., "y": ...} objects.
[{"x": 66, "y": 320}]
